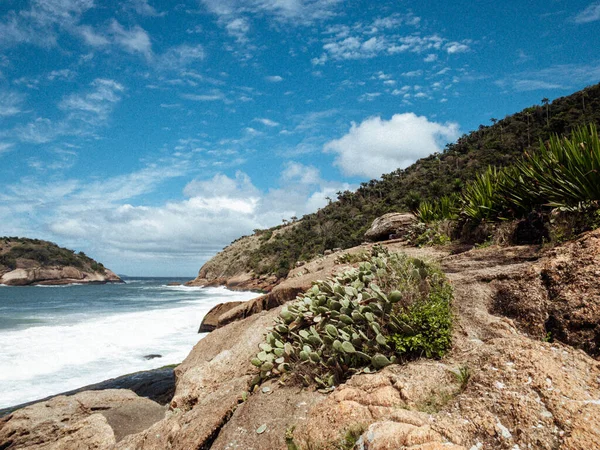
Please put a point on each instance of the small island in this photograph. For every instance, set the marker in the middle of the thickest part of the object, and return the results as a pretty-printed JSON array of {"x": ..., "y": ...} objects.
[{"x": 25, "y": 262}]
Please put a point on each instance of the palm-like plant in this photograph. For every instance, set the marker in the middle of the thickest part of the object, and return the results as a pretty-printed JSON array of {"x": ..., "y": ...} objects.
[
  {"x": 565, "y": 171},
  {"x": 482, "y": 198}
]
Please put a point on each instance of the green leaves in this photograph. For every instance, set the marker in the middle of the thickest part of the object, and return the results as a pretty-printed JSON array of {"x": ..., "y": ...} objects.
[{"x": 360, "y": 313}]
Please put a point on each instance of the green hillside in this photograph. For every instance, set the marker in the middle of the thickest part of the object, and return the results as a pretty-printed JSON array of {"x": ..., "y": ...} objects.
[
  {"x": 343, "y": 222},
  {"x": 18, "y": 252}
]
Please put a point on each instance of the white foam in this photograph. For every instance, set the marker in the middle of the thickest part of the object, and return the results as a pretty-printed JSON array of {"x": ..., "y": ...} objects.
[{"x": 44, "y": 360}]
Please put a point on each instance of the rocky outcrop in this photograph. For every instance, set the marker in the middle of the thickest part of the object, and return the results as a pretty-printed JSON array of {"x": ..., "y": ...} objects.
[
  {"x": 211, "y": 320},
  {"x": 498, "y": 388},
  {"x": 56, "y": 276},
  {"x": 392, "y": 224},
  {"x": 25, "y": 261},
  {"x": 89, "y": 420},
  {"x": 157, "y": 385},
  {"x": 558, "y": 298}
]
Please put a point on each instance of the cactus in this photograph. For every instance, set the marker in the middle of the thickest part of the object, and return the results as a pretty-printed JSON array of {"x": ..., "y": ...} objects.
[{"x": 342, "y": 326}]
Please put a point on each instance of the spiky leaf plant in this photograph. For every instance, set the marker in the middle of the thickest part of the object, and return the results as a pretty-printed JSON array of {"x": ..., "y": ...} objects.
[{"x": 565, "y": 171}]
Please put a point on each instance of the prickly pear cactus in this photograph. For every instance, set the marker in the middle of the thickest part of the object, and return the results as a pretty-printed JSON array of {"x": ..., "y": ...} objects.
[{"x": 348, "y": 324}]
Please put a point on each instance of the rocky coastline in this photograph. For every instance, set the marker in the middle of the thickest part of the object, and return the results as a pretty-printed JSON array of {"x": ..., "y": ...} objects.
[{"x": 531, "y": 382}]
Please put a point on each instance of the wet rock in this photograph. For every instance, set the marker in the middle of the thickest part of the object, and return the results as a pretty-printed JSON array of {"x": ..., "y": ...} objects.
[{"x": 152, "y": 356}]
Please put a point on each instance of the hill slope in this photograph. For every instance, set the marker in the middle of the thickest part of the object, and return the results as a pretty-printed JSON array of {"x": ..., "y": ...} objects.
[
  {"x": 343, "y": 223},
  {"x": 26, "y": 261}
]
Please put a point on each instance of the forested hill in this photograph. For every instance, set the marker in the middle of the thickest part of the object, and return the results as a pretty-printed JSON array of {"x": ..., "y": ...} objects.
[
  {"x": 343, "y": 222},
  {"x": 25, "y": 261}
]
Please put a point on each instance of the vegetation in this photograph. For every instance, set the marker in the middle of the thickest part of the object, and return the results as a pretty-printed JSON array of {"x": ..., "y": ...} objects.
[
  {"x": 343, "y": 223},
  {"x": 390, "y": 308},
  {"x": 564, "y": 173},
  {"x": 44, "y": 253}
]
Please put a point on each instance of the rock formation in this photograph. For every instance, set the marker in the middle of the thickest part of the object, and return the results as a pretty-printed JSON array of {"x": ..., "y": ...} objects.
[
  {"x": 501, "y": 386},
  {"x": 26, "y": 261},
  {"x": 392, "y": 224}
]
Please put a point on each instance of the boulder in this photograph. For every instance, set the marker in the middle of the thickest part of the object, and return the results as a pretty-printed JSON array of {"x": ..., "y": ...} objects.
[
  {"x": 88, "y": 420},
  {"x": 392, "y": 223},
  {"x": 210, "y": 384},
  {"x": 211, "y": 319}
]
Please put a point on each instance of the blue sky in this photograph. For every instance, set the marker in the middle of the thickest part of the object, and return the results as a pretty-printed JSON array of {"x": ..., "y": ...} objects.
[{"x": 150, "y": 134}]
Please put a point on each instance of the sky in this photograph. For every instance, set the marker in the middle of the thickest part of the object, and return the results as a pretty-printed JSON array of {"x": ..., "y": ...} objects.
[{"x": 150, "y": 134}]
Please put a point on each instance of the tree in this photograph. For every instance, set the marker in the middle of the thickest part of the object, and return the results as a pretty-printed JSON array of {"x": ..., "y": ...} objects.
[{"x": 546, "y": 102}]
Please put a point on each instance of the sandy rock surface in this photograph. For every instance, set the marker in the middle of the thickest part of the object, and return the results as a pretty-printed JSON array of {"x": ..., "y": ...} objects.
[{"x": 91, "y": 419}]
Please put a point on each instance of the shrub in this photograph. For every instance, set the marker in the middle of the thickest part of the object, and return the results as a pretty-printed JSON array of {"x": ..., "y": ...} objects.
[
  {"x": 565, "y": 171},
  {"x": 482, "y": 198},
  {"x": 390, "y": 308}
]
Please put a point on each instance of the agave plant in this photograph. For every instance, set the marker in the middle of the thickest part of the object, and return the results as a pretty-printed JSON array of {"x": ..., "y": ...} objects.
[
  {"x": 482, "y": 198},
  {"x": 446, "y": 208},
  {"x": 565, "y": 171}
]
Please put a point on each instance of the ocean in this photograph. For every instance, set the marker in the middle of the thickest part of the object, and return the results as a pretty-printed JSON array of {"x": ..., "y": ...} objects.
[{"x": 57, "y": 338}]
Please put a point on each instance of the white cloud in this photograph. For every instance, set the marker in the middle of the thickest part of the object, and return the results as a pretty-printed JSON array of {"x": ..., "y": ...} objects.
[
  {"x": 10, "y": 103},
  {"x": 274, "y": 79},
  {"x": 378, "y": 146},
  {"x": 211, "y": 96},
  {"x": 238, "y": 28},
  {"x": 432, "y": 57},
  {"x": 181, "y": 56},
  {"x": 295, "y": 12},
  {"x": 143, "y": 8},
  {"x": 38, "y": 25},
  {"x": 295, "y": 172},
  {"x": 457, "y": 47},
  {"x": 99, "y": 102},
  {"x": 133, "y": 40},
  {"x": 40, "y": 131},
  {"x": 267, "y": 122},
  {"x": 589, "y": 14},
  {"x": 5, "y": 147},
  {"x": 563, "y": 76},
  {"x": 355, "y": 48}
]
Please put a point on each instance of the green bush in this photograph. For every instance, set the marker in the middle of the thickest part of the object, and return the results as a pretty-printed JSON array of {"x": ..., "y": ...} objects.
[
  {"x": 390, "y": 308},
  {"x": 564, "y": 172}
]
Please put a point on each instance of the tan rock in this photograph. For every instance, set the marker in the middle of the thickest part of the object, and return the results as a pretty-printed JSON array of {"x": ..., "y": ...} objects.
[
  {"x": 210, "y": 384},
  {"x": 90, "y": 419},
  {"x": 392, "y": 223},
  {"x": 211, "y": 319}
]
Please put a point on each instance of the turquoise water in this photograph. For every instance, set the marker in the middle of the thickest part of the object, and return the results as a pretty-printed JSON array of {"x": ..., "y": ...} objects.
[{"x": 53, "y": 339}]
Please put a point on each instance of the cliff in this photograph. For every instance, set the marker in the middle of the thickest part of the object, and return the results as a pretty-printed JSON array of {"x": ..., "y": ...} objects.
[
  {"x": 26, "y": 261},
  {"x": 237, "y": 266}
]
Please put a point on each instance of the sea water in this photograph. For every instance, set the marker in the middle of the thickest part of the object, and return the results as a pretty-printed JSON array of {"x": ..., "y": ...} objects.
[{"x": 57, "y": 338}]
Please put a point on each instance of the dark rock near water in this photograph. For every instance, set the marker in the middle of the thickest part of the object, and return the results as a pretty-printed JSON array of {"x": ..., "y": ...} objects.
[
  {"x": 157, "y": 385},
  {"x": 152, "y": 356}
]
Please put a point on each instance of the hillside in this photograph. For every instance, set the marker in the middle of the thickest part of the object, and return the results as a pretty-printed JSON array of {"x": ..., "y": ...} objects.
[
  {"x": 343, "y": 222},
  {"x": 26, "y": 261}
]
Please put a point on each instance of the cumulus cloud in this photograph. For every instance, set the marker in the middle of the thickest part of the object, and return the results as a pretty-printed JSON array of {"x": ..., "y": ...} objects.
[
  {"x": 215, "y": 210},
  {"x": 378, "y": 146}
]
